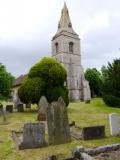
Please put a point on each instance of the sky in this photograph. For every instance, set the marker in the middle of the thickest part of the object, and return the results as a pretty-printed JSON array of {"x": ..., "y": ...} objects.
[{"x": 27, "y": 27}]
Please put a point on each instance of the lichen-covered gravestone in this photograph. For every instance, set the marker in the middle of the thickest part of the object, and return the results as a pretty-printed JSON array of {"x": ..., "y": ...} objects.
[
  {"x": 33, "y": 136},
  {"x": 57, "y": 120}
]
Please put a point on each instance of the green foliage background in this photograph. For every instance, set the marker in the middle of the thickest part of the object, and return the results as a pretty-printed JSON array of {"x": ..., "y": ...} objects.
[
  {"x": 111, "y": 86},
  {"x": 6, "y": 80}
]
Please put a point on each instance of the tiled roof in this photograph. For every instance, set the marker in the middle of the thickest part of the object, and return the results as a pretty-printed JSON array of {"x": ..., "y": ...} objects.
[{"x": 19, "y": 80}]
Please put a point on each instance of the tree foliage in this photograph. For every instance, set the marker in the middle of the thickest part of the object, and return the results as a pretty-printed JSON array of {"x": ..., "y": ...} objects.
[
  {"x": 111, "y": 86},
  {"x": 45, "y": 78},
  {"x": 95, "y": 81},
  {"x": 6, "y": 80}
]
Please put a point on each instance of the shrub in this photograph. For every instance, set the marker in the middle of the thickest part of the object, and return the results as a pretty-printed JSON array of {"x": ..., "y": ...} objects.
[
  {"x": 54, "y": 93},
  {"x": 111, "y": 100},
  {"x": 111, "y": 86},
  {"x": 46, "y": 78},
  {"x": 31, "y": 90}
]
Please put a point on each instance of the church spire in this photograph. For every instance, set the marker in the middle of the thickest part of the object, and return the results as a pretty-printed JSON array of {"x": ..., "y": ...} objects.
[{"x": 65, "y": 22}]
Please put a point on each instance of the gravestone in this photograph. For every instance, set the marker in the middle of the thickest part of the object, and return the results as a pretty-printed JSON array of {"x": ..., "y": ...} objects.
[
  {"x": 114, "y": 124},
  {"x": 33, "y": 136},
  {"x": 9, "y": 108},
  {"x": 1, "y": 107},
  {"x": 43, "y": 104},
  {"x": 28, "y": 105},
  {"x": 4, "y": 118},
  {"x": 20, "y": 108},
  {"x": 93, "y": 132},
  {"x": 57, "y": 121}
]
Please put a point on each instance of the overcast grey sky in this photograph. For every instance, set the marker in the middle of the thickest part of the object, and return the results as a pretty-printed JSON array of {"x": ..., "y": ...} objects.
[{"x": 27, "y": 27}]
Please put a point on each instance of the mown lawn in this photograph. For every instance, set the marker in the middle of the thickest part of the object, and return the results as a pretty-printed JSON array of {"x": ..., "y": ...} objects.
[{"x": 95, "y": 113}]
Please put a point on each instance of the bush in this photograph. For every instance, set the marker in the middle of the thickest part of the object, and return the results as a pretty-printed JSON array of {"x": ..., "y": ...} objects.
[
  {"x": 50, "y": 70},
  {"x": 54, "y": 93},
  {"x": 46, "y": 78},
  {"x": 111, "y": 86},
  {"x": 111, "y": 100},
  {"x": 31, "y": 90}
]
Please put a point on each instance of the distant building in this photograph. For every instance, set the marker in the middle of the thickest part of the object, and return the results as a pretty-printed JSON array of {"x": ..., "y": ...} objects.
[
  {"x": 66, "y": 49},
  {"x": 16, "y": 85}
]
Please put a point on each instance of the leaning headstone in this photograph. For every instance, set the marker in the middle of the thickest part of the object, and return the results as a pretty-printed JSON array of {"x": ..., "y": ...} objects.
[
  {"x": 33, "y": 136},
  {"x": 93, "y": 132},
  {"x": 114, "y": 124},
  {"x": 9, "y": 108},
  {"x": 20, "y": 108},
  {"x": 57, "y": 120},
  {"x": 43, "y": 105}
]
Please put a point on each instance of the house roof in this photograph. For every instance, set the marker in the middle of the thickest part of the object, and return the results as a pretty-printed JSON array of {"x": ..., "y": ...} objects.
[{"x": 18, "y": 81}]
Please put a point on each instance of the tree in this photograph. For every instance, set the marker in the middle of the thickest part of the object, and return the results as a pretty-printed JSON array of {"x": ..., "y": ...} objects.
[
  {"x": 95, "y": 81},
  {"x": 45, "y": 78},
  {"x": 6, "y": 80},
  {"x": 111, "y": 86}
]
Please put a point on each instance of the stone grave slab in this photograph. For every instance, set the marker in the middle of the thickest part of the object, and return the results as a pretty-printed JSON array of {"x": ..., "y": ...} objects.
[
  {"x": 93, "y": 132},
  {"x": 33, "y": 136}
]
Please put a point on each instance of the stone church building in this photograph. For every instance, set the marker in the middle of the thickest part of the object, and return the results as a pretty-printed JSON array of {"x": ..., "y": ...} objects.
[{"x": 66, "y": 49}]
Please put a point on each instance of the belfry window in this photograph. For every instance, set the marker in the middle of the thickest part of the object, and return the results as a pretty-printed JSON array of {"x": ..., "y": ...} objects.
[
  {"x": 56, "y": 47},
  {"x": 71, "y": 45}
]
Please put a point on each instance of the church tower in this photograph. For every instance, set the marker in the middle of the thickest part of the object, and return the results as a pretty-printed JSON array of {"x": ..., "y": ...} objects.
[{"x": 66, "y": 49}]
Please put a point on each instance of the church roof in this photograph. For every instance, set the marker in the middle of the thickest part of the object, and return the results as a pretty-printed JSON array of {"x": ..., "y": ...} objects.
[{"x": 18, "y": 81}]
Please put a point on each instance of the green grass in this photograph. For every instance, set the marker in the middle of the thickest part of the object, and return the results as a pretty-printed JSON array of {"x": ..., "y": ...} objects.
[{"x": 95, "y": 113}]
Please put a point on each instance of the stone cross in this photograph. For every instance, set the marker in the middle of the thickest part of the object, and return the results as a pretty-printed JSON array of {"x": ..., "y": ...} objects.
[{"x": 114, "y": 124}]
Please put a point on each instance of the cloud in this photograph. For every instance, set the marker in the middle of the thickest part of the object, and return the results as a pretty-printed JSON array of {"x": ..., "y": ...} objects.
[{"x": 27, "y": 27}]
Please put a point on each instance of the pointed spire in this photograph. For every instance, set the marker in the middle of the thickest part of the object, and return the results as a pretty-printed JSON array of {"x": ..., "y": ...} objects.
[{"x": 65, "y": 22}]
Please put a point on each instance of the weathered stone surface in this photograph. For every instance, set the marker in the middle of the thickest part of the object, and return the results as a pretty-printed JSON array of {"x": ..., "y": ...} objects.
[
  {"x": 43, "y": 105},
  {"x": 114, "y": 124},
  {"x": 41, "y": 117},
  {"x": 71, "y": 59},
  {"x": 93, "y": 132},
  {"x": 57, "y": 120},
  {"x": 20, "y": 108},
  {"x": 9, "y": 108},
  {"x": 102, "y": 149},
  {"x": 33, "y": 136}
]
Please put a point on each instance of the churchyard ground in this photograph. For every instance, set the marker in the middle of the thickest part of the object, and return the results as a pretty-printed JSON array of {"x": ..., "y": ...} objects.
[{"x": 95, "y": 113}]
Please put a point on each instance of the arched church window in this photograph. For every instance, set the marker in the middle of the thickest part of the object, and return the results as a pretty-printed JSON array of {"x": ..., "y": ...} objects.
[
  {"x": 56, "y": 47},
  {"x": 71, "y": 45}
]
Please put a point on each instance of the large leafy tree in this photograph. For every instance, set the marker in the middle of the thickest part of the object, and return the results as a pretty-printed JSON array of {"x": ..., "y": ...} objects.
[
  {"x": 95, "y": 81},
  {"x": 6, "y": 80},
  {"x": 45, "y": 78},
  {"x": 111, "y": 87}
]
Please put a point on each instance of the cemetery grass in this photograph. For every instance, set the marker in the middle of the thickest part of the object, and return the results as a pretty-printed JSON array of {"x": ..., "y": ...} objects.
[{"x": 95, "y": 113}]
